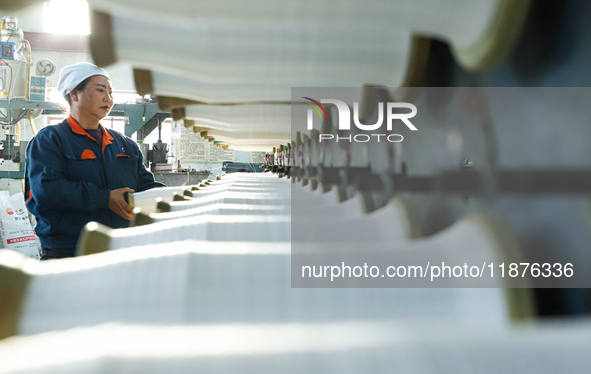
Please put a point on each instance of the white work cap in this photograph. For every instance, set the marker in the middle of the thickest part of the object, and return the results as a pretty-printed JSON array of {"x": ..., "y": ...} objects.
[{"x": 71, "y": 76}]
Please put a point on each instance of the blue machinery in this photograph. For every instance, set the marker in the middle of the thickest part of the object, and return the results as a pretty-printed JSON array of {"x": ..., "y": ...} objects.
[{"x": 231, "y": 167}]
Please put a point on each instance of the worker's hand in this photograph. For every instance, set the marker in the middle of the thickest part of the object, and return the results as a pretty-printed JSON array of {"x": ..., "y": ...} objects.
[{"x": 118, "y": 204}]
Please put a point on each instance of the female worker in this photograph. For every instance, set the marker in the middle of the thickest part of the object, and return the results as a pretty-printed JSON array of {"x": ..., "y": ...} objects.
[{"x": 78, "y": 171}]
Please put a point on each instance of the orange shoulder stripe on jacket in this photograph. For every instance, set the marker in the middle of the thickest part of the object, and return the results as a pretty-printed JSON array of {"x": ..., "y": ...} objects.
[{"x": 30, "y": 196}]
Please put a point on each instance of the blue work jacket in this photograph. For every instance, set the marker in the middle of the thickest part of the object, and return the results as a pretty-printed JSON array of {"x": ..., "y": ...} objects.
[{"x": 69, "y": 177}]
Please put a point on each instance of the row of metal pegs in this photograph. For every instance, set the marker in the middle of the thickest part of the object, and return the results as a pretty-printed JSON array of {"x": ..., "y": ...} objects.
[
  {"x": 388, "y": 230},
  {"x": 178, "y": 300}
]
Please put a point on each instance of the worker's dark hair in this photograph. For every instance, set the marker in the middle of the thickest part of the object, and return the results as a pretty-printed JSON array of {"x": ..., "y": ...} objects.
[{"x": 79, "y": 87}]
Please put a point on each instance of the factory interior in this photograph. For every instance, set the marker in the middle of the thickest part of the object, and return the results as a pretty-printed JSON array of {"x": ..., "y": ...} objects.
[{"x": 286, "y": 228}]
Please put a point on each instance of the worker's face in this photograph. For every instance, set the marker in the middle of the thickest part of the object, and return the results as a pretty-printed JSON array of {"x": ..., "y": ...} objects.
[{"x": 96, "y": 99}]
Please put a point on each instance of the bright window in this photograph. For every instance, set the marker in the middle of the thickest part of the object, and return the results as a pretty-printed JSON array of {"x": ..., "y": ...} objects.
[{"x": 66, "y": 17}]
